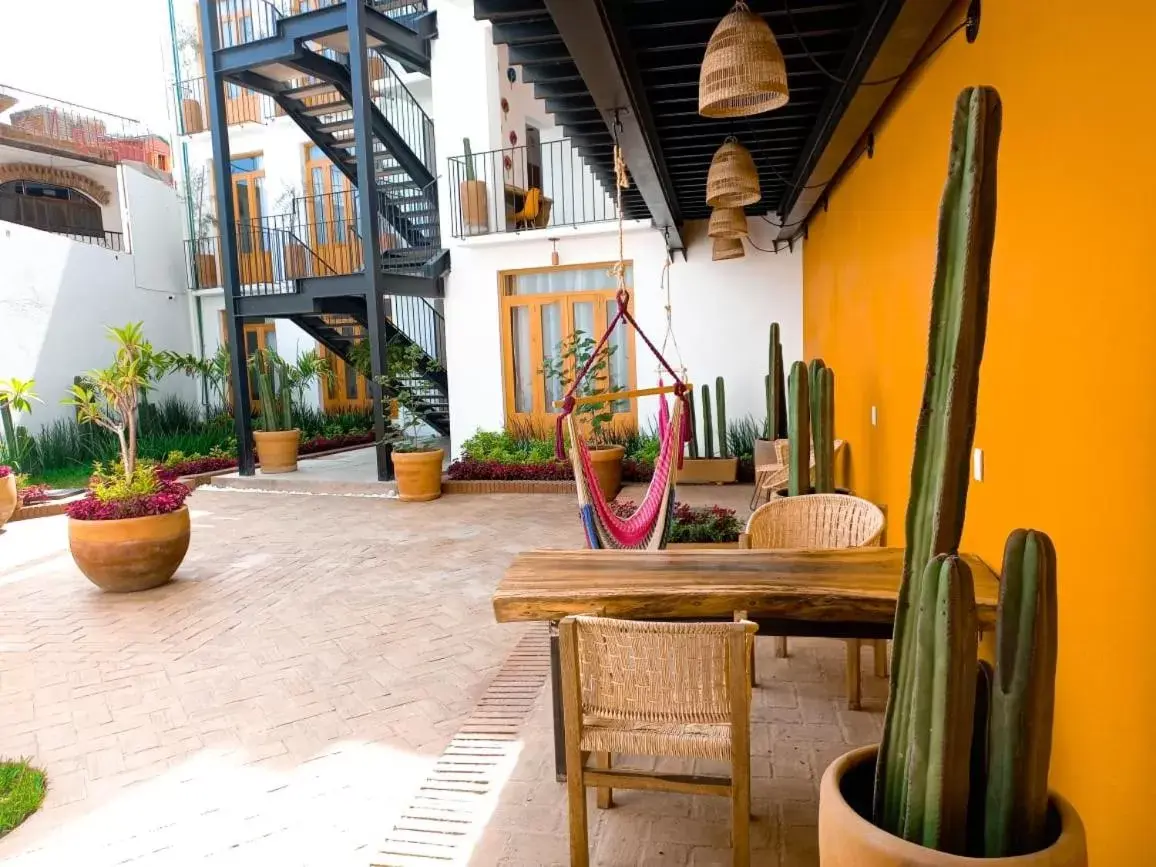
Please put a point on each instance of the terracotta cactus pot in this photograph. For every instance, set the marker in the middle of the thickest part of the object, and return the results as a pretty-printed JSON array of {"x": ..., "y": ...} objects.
[
  {"x": 419, "y": 475},
  {"x": 7, "y": 498},
  {"x": 277, "y": 450},
  {"x": 130, "y": 554},
  {"x": 607, "y": 464},
  {"x": 846, "y": 839}
]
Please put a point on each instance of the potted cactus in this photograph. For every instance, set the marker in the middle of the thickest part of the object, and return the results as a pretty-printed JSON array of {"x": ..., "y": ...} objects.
[
  {"x": 775, "y": 427},
  {"x": 704, "y": 467},
  {"x": 277, "y": 383},
  {"x": 811, "y": 431},
  {"x": 473, "y": 198},
  {"x": 961, "y": 773}
]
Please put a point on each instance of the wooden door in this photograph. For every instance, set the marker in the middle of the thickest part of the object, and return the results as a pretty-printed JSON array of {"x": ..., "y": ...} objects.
[
  {"x": 253, "y": 248},
  {"x": 258, "y": 335},
  {"x": 331, "y": 213},
  {"x": 347, "y": 389}
]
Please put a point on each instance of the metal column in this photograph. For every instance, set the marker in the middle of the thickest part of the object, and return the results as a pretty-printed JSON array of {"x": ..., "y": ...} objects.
[
  {"x": 362, "y": 103},
  {"x": 226, "y": 213}
]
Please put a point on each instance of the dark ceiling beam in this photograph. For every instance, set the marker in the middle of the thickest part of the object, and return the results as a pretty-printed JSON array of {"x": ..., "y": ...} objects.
[
  {"x": 890, "y": 40},
  {"x": 596, "y": 38},
  {"x": 653, "y": 13}
]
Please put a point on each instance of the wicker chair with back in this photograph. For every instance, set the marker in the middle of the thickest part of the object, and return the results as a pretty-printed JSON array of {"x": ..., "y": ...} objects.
[{"x": 821, "y": 521}]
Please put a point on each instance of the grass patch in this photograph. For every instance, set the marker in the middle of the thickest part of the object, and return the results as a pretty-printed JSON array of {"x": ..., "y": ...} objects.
[
  {"x": 22, "y": 790},
  {"x": 73, "y": 476}
]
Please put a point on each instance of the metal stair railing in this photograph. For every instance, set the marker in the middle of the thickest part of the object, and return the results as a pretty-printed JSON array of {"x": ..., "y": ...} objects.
[
  {"x": 243, "y": 21},
  {"x": 405, "y": 114}
]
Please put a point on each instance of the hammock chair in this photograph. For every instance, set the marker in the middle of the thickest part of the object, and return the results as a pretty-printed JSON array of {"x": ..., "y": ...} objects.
[{"x": 649, "y": 525}]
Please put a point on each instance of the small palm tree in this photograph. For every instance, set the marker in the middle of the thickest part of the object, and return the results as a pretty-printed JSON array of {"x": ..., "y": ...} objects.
[
  {"x": 214, "y": 369},
  {"x": 309, "y": 368},
  {"x": 15, "y": 394}
]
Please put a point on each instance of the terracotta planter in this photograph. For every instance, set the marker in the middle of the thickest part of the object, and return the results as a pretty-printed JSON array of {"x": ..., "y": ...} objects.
[
  {"x": 607, "y": 464},
  {"x": 475, "y": 211},
  {"x": 846, "y": 839},
  {"x": 277, "y": 450},
  {"x": 130, "y": 554},
  {"x": 419, "y": 475},
  {"x": 7, "y": 498},
  {"x": 708, "y": 471}
]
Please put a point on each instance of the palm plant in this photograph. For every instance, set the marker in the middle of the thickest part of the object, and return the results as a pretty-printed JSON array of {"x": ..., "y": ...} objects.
[
  {"x": 214, "y": 370},
  {"x": 15, "y": 394},
  {"x": 310, "y": 367},
  {"x": 110, "y": 397}
]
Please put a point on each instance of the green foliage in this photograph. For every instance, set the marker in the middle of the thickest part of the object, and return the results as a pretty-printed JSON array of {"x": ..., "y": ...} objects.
[
  {"x": 22, "y": 789},
  {"x": 823, "y": 428},
  {"x": 508, "y": 448},
  {"x": 1023, "y": 698},
  {"x": 405, "y": 363},
  {"x": 799, "y": 431},
  {"x": 112, "y": 485},
  {"x": 936, "y": 505},
  {"x": 741, "y": 436},
  {"x": 707, "y": 424},
  {"x": 571, "y": 355},
  {"x": 214, "y": 370},
  {"x": 721, "y": 398},
  {"x": 693, "y": 421}
]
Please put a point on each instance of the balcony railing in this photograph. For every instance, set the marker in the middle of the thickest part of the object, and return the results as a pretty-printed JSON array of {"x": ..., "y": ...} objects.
[
  {"x": 30, "y": 119},
  {"x": 522, "y": 188},
  {"x": 59, "y": 218},
  {"x": 243, "y": 21},
  {"x": 241, "y": 105}
]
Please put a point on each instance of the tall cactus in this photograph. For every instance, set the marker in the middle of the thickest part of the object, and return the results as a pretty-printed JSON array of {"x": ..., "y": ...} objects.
[
  {"x": 266, "y": 391},
  {"x": 944, "y": 432},
  {"x": 823, "y": 427},
  {"x": 1023, "y": 698},
  {"x": 813, "y": 368},
  {"x": 720, "y": 396},
  {"x": 692, "y": 423},
  {"x": 707, "y": 424},
  {"x": 775, "y": 427},
  {"x": 944, "y": 670},
  {"x": 799, "y": 432}
]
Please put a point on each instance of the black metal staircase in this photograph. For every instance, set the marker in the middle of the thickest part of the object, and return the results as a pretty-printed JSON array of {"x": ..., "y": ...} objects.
[{"x": 326, "y": 65}]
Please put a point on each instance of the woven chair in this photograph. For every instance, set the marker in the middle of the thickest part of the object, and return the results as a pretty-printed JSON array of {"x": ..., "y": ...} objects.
[
  {"x": 822, "y": 521},
  {"x": 773, "y": 477},
  {"x": 656, "y": 689}
]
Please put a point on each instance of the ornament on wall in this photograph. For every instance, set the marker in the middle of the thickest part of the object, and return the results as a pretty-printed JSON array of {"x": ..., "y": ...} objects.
[
  {"x": 505, "y": 106},
  {"x": 511, "y": 74},
  {"x": 507, "y": 163},
  {"x": 513, "y": 138}
]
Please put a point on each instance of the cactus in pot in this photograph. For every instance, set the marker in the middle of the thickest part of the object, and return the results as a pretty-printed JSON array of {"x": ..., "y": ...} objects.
[
  {"x": 471, "y": 175},
  {"x": 822, "y": 387},
  {"x": 272, "y": 390},
  {"x": 721, "y": 399},
  {"x": 798, "y": 431},
  {"x": 707, "y": 424}
]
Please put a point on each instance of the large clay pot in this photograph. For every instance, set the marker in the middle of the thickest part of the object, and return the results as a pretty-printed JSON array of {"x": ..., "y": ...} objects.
[
  {"x": 419, "y": 475},
  {"x": 846, "y": 839},
  {"x": 607, "y": 463},
  {"x": 277, "y": 450},
  {"x": 7, "y": 498},
  {"x": 130, "y": 554},
  {"x": 475, "y": 208}
]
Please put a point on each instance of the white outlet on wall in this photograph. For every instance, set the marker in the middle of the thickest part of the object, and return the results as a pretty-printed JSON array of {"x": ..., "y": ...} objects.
[
  {"x": 874, "y": 416},
  {"x": 977, "y": 464}
]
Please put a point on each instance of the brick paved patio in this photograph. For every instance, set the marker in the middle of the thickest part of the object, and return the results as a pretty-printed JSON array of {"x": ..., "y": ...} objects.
[{"x": 283, "y": 701}]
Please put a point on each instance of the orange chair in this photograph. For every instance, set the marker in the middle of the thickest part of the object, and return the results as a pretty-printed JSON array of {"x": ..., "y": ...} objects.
[{"x": 531, "y": 206}]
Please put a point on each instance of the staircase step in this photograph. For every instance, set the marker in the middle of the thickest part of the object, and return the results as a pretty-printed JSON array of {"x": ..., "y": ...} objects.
[
  {"x": 340, "y": 41},
  {"x": 309, "y": 90},
  {"x": 336, "y": 125},
  {"x": 278, "y": 72},
  {"x": 337, "y": 106}
]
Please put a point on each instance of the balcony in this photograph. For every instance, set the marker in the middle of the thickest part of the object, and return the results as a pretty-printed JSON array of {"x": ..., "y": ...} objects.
[
  {"x": 35, "y": 122},
  {"x": 240, "y": 22},
  {"x": 528, "y": 187},
  {"x": 242, "y": 106}
]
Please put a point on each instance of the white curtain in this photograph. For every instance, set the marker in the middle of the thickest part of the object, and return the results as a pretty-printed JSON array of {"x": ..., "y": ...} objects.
[{"x": 568, "y": 280}]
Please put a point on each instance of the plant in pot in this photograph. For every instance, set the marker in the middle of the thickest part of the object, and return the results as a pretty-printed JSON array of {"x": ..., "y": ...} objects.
[
  {"x": 706, "y": 468},
  {"x": 417, "y": 460},
  {"x": 810, "y": 431},
  {"x": 131, "y": 530},
  {"x": 960, "y": 776},
  {"x": 473, "y": 197},
  {"x": 572, "y": 355},
  {"x": 16, "y": 395},
  {"x": 277, "y": 383},
  {"x": 775, "y": 427}
]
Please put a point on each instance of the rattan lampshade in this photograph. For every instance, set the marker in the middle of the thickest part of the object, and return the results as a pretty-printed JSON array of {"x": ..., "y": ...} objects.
[
  {"x": 727, "y": 223},
  {"x": 733, "y": 180},
  {"x": 727, "y": 248},
  {"x": 743, "y": 72}
]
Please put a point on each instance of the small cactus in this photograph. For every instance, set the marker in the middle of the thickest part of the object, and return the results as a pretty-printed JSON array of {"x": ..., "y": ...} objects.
[
  {"x": 799, "y": 432},
  {"x": 1023, "y": 698},
  {"x": 721, "y": 399},
  {"x": 470, "y": 174},
  {"x": 822, "y": 428},
  {"x": 707, "y": 424}
]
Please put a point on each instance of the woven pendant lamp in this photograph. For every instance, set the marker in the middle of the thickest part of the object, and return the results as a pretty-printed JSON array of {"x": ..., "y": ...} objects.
[
  {"x": 727, "y": 223},
  {"x": 733, "y": 180},
  {"x": 743, "y": 72},
  {"x": 727, "y": 248}
]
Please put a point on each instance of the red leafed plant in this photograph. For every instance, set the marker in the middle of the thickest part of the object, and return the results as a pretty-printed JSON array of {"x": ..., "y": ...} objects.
[
  {"x": 470, "y": 469},
  {"x": 113, "y": 496},
  {"x": 5, "y": 471},
  {"x": 30, "y": 495},
  {"x": 695, "y": 523},
  {"x": 194, "y": 467},
  {"x": 325, "y": 444}
]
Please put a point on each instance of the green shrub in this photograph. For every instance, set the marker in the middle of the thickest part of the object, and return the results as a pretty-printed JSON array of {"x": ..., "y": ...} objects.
[
  {"x": 508, "y": 448},
  {"x": 741, "y": 435},
  {"x": 22, "y": 790}
]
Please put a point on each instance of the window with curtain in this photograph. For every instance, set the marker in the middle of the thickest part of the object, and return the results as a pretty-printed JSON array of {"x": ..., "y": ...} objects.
[{"x": 542, "y": 307}]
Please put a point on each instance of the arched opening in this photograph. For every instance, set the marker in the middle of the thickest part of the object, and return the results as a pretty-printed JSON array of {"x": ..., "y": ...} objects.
[{"x": 50, "y": 207}]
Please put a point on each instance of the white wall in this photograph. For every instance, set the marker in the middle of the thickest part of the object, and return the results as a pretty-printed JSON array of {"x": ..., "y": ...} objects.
[
  {"x": 57, "y": 296},
  {"x": 155, "y": 222},
  {"x": 721, "y": 311}
]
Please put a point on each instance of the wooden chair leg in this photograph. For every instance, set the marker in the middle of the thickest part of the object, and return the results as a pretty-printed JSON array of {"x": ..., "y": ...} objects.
[
  {"x": 781, "y": 646},
  {"x": 740, "y": 760},
  {"x": 854, "y": 698},
  {"x": 880, "y": 653},
  {"x": 605, "y": 796},
  {"x": 576, "y": 797}
]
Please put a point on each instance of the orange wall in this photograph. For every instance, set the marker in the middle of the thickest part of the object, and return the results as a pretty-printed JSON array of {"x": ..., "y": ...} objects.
[{"x": 1067, "y": 410}]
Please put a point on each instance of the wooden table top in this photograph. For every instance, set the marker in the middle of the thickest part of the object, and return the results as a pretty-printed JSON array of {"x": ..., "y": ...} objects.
[{"x": 858, "y": 585}]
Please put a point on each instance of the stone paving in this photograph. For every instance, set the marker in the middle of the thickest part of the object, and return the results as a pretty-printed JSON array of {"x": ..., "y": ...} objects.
[{"x": 286, "y": 697}]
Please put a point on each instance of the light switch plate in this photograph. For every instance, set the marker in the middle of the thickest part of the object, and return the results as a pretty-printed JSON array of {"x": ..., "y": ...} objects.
[
  {"x": 977, "y": 464},
  {"x": 874, "y": 416}
]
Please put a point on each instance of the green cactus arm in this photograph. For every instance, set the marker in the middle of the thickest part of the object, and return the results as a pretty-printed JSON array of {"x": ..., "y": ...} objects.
[
  {"x": 1023, "y": 698},
  {"x": 822, "y": 426},
  {"x": 946, "y": 424},
  {"x": 943, "y": 712},
  {"x": 813, "y": 368},
  {"x": 693, "y": 424},
  {"x": 721, "y": 399},
  {"x": 265, "y": 392},
  {"x": 769, "y": 424},
  {"x": 799, "y": 432},
  {"x": 286, "y": 406},
  {"x": 779, "y": 379},
  {"x": 773, "y": 382},
  {"x": 707, "y": 424},
  {"x": 977, "y": 781}
]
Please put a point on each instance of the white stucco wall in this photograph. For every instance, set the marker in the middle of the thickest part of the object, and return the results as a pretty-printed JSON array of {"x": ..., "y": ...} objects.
[
  {"x": 57, "y": 297},
  {"x": 721, "y": 312}
]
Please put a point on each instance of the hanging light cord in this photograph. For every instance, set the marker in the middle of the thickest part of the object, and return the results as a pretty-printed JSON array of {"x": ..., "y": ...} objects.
[{"x": 891, "y": 78}]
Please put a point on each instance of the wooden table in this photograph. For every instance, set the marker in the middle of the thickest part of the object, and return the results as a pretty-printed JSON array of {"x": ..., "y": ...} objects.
[{"x": 848, "y": 593}]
